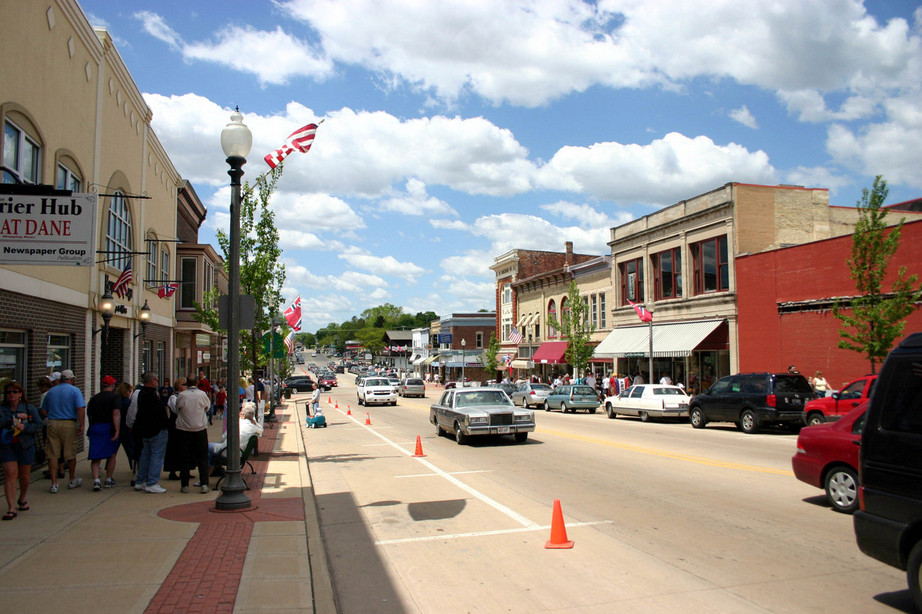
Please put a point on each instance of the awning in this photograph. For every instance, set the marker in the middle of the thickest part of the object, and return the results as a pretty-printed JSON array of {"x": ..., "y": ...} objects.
[
  {"x": 418, "y": 359},
  {"x": 431, "y": 359},
  {"x": 670, "y": 340},
  {"x": 522, "y": 363},
  {"x": 550, "y": 352}
]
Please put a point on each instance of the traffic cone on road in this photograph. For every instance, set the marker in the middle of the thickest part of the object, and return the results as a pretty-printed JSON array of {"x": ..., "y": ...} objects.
[
  {"x": 367, "y": 419},
  {"x": 348, "y": 410},
  {"x": 329, "y": 401},
  {"x": 419, "y": 448},
  {"x": 558, "y": 530},
  {"x": 337, "y": 405}
]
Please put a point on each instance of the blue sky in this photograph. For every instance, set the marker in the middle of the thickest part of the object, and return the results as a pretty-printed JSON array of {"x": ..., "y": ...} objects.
[{"x": 457, "y": 130}]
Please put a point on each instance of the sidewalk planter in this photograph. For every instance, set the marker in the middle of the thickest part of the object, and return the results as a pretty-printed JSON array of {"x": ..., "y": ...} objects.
[{"x": 287, "y": 393}]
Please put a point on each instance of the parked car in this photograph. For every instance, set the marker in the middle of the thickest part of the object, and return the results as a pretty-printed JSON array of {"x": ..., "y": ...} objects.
[
  {"x": 412, "y": 387},
  {"x": 649, "y": 401},
  {"x": 888, "y": 525},
  {"x": 753, "y": 400},
  {"x": 827, "y": 457},
  {"x": 374, "y": 390},
  {"x": 466, "y": 412},
  {"x": 328, "y": 380},
  {"x": 299, "y": 383},
  {"x": 571, "y": 397},
  {"x": 507, "y": 388},
  {"x": 531, "y": 395},
  {"x": 831, "y": 408}
]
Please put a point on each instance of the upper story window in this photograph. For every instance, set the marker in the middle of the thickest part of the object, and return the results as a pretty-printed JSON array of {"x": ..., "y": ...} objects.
[
  {"x": 118, "y": 231},
  {"x": 22, "y": 156},
  {"x": 602, "y": 308},
  {"x": 153, "y": 258},
  {"x": 507, "y": 294},
  {"x": 478, "y": 340},
  {"x": 551, "y": 315},
  {"x": 67, "y": 179},
  {"x": 631, "y": 281},
  {"x": 164, "y": 265},
  {"x": 667, "y": 273},
  {"x": 188, "y": 283},
  {"x": 711, "y": 265},
  {"x": 594, "y": 311},
  {"x": 208, "y": 278}
]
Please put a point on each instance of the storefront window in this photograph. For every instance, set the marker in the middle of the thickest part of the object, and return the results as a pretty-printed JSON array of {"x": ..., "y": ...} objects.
[
  {"x": 12, "y": 357},
  {"x": 59, "y": 353}
]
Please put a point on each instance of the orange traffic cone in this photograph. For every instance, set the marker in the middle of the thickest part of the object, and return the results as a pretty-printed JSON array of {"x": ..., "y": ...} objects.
[
  {"x": 558, "y": 530},
  {"x": 348, "y": 410},
  {"x": 367, "y": 419},
  {"x": 419, "y": 448},
  {"x": 337, "y": 404},
  {"x": 329, "y": 400}
]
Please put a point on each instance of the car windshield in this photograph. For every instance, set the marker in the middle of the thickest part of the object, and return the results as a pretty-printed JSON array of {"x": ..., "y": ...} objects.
[
  {"x": 540, "y": 387},
  {"x": 414, "y": 382},
  {"x": 668, "y": 391},
  {"x": 481, "y": 397}
]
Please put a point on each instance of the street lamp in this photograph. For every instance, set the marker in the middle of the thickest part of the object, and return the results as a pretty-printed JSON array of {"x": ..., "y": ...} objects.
[
  {"x": 106, "y": 310},
  {"x": 144, "y": 317},
  {"x": 236, "y": 141},
  {"x": 463, "y": 343},
  {"x": 276, "y": 322}
]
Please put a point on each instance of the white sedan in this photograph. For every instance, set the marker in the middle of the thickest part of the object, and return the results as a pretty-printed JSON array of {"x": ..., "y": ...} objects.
[{"x": 649, "y": 401}]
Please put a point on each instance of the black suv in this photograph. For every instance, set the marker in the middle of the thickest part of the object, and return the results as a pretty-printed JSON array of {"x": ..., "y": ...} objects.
[
  {"x": 888, "y": 525},
  {"x": 752, "y": 400},
  {"x": 299, "y": 383}
]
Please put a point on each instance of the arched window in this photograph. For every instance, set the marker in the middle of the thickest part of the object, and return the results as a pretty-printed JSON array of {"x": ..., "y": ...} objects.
[
  {"x": 551, "y": 314},
  {"x": 118, "y": 231},
  {"x": 22, "y": 154},
  {"x": 564, "y": 316}
]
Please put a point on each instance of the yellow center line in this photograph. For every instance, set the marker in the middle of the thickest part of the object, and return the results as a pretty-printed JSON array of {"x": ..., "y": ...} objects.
[{"x": 700, "y": 460}]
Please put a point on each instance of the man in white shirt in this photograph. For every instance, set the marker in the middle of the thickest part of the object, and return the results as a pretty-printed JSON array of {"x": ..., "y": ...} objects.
[{"x": 192, "y": 407}]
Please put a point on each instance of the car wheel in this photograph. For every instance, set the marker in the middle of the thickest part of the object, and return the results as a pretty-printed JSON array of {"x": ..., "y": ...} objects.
[
  {"x": 815, "y": 418},
  {"x": 644, "y": 416},
  {"x": 696, "y": 417},
  {"x": 610, "y": 411},
  {"x": 460, "y": 437},
  {"x": 842, "y": 489},
  {"x": 914, "y": 574},
  {"x": 749, "y": 422},
  {"x": 563, "y": 408},
  {"x": 439, "y": 431},
  {"x": 358, "y": 399},
  {"x": 546, "y": 406},
  {"x": 521, "y": 437}
]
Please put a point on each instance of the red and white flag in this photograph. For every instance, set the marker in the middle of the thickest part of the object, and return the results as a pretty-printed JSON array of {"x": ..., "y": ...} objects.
[
  {"x": 293, "y": 315},
  {"x": 642, "y": 313},
  {"x": 167, "y": 290},
  {"x": 120, "y": 289},
  {"x": 290, "y": 341},
  {"x": 299, "y": 140}
]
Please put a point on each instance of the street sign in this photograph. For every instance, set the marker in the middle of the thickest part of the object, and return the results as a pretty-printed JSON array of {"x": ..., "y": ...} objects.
[
  {"x": 274, "y": 345},
  {"x": 445, "y": 338}
]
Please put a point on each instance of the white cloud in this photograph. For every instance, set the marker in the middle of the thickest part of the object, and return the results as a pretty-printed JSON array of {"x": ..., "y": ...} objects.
[
  {"x": 743, "y": 116},
  {"x": 653, "y": 173},
  {"x": 385, "y": 265},
  {"x": 314, "y": 212},
  {"x": 156, "y": 26},
  {"x": 818, "y": 176},
  {"x": 417, "y": 202},
  {"x": 810, "y": 106}
]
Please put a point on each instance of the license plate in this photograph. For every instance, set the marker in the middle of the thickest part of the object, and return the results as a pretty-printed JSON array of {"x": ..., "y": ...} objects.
[
  {"x": 795, "y": 401},
  {"x": 503, "y": 430}
]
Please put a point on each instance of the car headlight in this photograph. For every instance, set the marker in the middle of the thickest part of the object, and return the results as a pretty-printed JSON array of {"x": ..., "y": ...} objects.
[
  {"x": 478, "y": 420},
  {"x": 522, "y": 418}
]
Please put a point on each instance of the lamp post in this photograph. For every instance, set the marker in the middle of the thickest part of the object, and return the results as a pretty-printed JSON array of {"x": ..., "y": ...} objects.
[
  {"x": 144, "y": 318},
  {"x": 236, "y": 141},
  {"x": 463, "y": 343},
  {"x": 276, "y": 322},
  {"x": 106, "y": 310}
]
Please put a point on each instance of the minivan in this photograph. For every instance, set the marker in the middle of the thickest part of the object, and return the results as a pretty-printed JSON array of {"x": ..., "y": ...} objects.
[{"x": 888, "y": 523}]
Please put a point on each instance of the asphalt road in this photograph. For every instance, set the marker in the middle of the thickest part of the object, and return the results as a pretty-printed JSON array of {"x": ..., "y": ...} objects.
[{"x": 664, "y": 519}]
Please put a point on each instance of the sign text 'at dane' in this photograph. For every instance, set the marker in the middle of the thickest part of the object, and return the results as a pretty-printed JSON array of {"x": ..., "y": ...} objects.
[{"x": 57, "y": 229}]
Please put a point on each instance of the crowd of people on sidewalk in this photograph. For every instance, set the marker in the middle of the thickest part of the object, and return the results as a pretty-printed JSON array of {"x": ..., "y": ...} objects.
[{"x": 161, "y": 427}]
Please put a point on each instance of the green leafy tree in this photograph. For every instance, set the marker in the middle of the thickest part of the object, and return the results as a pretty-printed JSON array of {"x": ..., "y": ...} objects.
[
  {"x": 261, "y": 271},
  {"x": 372, "y": 339},
  {"x": 488, "y": 358},
  {"x": 577, "y": 328},
  {"x": 875, "y": 318}
]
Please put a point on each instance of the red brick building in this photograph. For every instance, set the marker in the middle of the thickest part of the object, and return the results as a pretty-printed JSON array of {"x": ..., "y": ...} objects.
[{"x": 785, "y": 298}]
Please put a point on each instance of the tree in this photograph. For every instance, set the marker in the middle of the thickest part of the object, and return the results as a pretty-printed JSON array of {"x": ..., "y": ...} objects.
[
  {"x": 874, "y": 319},
  {"x": 577, "y": 329},
  {"x": 488, "y": 358},
  {"x": 261, "y": 271}
]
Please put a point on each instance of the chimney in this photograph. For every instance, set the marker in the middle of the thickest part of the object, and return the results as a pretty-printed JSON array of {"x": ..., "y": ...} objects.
[{"x": 569, "y": 257}]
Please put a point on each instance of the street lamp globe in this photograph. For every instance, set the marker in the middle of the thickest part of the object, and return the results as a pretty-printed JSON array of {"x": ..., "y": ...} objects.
[{"x": 236, "y": 138}]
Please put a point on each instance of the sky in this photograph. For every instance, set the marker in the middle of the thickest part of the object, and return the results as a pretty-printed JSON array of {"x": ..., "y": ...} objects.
[{"x": 455, "y": 131}]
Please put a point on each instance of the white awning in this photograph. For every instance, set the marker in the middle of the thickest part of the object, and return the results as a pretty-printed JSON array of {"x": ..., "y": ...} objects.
[
  {"x": 673, "y": 339},
  {"x": 522, "y": 363}
]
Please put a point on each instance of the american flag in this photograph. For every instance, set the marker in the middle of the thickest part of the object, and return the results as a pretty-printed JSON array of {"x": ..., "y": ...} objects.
[
  {"x": 121, "y": 284},
  {"x": 167, "y": 290},
  {"x": 293, "y": 314},
  {"x": 290, "y": 341},
  {"x": 515, "y": 336},
  {"x": 299, "y": 140}
]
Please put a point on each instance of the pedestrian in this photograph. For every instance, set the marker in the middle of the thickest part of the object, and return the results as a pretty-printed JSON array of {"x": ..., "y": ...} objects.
[
  {"x": 104, "y": 415},
  {"x": 192, "y": 405},
  {"x": 220, "y": 400},
  {"x": 151, "y": 425},
  {"x": 173, "y": 457},
  {"x": 165, "y": 391},
  {"x": 665, "y": 380},
  {"x": 793, "y": 370},
  {"x": 315, "y": 400},
  {"x": 19, "y": 422},
  {"x": 125, "y": 436},
  {"x": 66, "y": 411},
  {"x": 820, "y": 385}
]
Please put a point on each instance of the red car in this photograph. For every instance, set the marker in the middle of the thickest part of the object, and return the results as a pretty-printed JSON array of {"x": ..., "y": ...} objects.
[
  {"x": 828, "y": 409},
  {"x": 827, "y": 457},
  {"x": 328, "y": 381}
]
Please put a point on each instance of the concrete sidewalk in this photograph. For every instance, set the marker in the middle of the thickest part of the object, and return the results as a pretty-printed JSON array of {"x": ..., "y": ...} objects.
[{"x": 119, "y": 550}]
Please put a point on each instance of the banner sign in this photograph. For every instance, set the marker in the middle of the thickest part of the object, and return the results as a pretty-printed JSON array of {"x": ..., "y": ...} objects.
[{"x": 48, "y": 229}]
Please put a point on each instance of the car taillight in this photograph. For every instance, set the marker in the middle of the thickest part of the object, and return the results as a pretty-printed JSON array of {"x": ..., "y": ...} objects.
[
  {"x": 531, "y": 392},
  {"x": 771, "y": 400}
]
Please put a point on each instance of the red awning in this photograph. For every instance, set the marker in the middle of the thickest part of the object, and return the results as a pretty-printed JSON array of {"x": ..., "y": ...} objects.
[{"x": 550, "y": 353}]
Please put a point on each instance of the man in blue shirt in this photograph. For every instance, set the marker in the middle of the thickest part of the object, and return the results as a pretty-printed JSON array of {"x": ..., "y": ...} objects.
[{"x": 66, "y": 411}]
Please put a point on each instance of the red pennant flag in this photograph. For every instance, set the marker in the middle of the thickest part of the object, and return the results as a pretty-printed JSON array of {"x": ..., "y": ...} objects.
[{"x": 642, "y": 313}]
